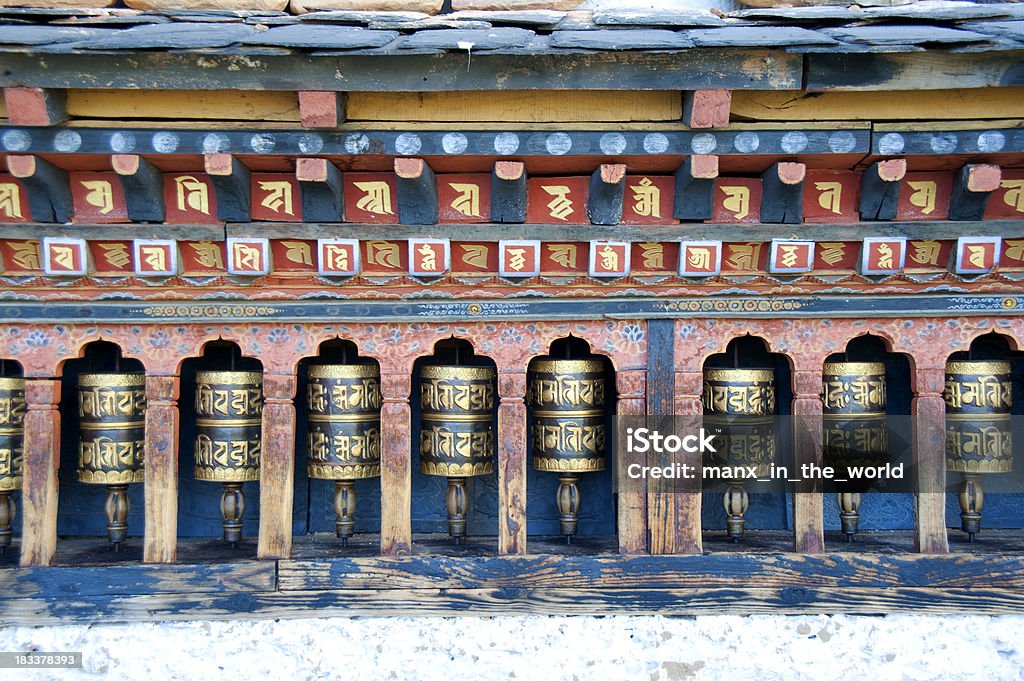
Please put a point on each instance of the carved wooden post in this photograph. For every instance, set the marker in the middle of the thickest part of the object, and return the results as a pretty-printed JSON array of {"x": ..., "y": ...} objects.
[
  {"x": 161, "y": 538},
  {"x": 631, "y": 386},
  {"x": 928, "y": 412},
  {"x": 277, "y": 466},
  {"x": 808, "y": 509},
  {"x": 39, "y": 482},
  {"x": 688, "y": 539},
  {"x": 512, "y": 462},
  {"x": 395, "y": 463}
]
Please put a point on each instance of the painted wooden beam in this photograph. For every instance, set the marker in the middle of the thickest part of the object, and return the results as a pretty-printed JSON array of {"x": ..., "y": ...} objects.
[
  {"x": 929, "y": 456},
  {"x": 42, "y": 459},
  {"x": 632, "y": 503},
  {"x": 661, "y": 493},
  {"x": 808, "y": 508},
  {"x": 508, "y": 192},
  {"x": 972, "y": 186},
  {"x": 512, "y": 436},
  {"x": 607, "y": 189},
  {"x": 320, "y": 181},
  {"x": 417, "y": 192},
  {"x": 707, "y": 108},
  {"x": 232, "y": 185},
  {"x": 321, "y": 109},
  {"x": 695, "y": 187},
  {"x": 277, "y": 466},
  {"x": 395, "y": 461},
  {"x": 161, "y": 538},
  {"x": 880, "y": 189},
  {"x": 143, "y": 187},
  {"x": 912, "y": 71},
  {"x": 35, "y": 106},
  {"x": 49, "y": 191},
  {"x": 782, "y": 193}
]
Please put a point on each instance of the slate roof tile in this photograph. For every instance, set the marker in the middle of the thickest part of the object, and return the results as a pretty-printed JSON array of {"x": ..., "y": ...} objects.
[
  {"x": 450, "y": 39},
  {"x": 757, "y": 36},
  {"x": 322, "y": 37},
  {"x": 891, "y": 34},
  {"x": 623, "y": 39}
]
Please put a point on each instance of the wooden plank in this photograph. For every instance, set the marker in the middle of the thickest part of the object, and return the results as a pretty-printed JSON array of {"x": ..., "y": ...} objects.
[
  {"x": 796, "y": 105},
  {"x": 913, "y": 71},
  {"x": 232, "y": 183},
  {"x": 607, "y": 190},
  {"x": 320, "y": 181},
  {"x": 661, "y": 503},
  {"x": 395, "y": 465},
  {"x": 56, "y": 609},
  {"x": 161, "y": 537},
  {"x": 701, "y": 69},
  {"x": 42, "y": 459},
  {"x": 322, "y": 109},
  {"x": 178, "y": 105},
  {"x": 808, "y": 509},
  {"x": 122, "y": 580},
  {"x": 632, "y": 504},
  {"x": 277, "y": 466},
  {"x": 695, "y": 187},
  {"x": 527, "y": 107},
  {"x": 929, "y": 447},
  {"x": 417, "y": 192},
  {"x": 35, "y": 230},
  {"x": 689, "y": 525},
  {"x": 707, "y": 108},
  {"x": 34, "y": 106},
  {"x": 143, "y": 187},
  {"x": 512, "y": 432},
  {"x": 508, "y": 192},
  {"x": 782, "y": 193}
]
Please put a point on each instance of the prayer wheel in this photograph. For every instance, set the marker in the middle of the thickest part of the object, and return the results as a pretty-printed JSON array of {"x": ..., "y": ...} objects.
[
  {"x": 229, "y": 428},
  {"x": 112, "y": 435},
  {"x": 12, "y": 437},
  {"x": 740, "y": 403},
  {"x": 344, "y": 432},
  {"x": 978, "y": 397},
  {"x": 457, "y": 431},
  {"x": 853, "y": 429},
  {"x": 567, "y": 427}
]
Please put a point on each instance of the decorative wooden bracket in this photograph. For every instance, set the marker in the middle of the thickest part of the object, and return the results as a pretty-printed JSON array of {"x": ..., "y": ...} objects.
[
  {"x": 35, "y": 106},
  {"x": 322, "y": 109},
  {"x": 143, "y": 187},
  {"x": 417, "y": 192},
  {"x": 49, "y": 191},
  {"x": 695, "y": 188},
  {"x": 782, "y": 193},
  {"x": 320, "y": 181},
  {"x": 973, "y": 184},
  {"x": 880, "y": 189},
  {"x": 707, "y": 108},
  {"x": 508, "y": 192},
  {"x": 231, "y": 183},
  {"x": 607, "y": 189}
]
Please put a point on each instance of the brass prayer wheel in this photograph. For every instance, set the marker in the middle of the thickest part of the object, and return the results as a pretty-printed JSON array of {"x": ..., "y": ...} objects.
[
  {"x": 853, "y": 428},
  {"x": 457, "y": 431},
  {"x": 344, "y": 432},
  {"x": 229, "y": 428},
  {"x": 12, "y": 437},
  {"x": 112, "y": 438},
  {"x": 740, "y": 403},
  {"x": 979, "y": 395},
  {"x": 567, "y": 427}
]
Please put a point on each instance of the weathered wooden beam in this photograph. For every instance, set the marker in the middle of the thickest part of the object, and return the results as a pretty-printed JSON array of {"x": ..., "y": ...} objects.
[
  {"x": 707, "y": 108},
  {"x": 661, "y": 494},
  {"x": 277, "y": 466},
  {"x": 928, "y": 409},
  {"x": 688, "y": 386},
  {"x": 782, "y": 193},
  {"x": 808, "y": 508},
  {"x": 880, "y": 189},
  {"x": 41, "y": 461},
  {"x": 321, "y": 109},
  {"x": 695, "y": 187},
  {"x": 972, "y": 186},
  {"x": 632, "y": 503},
  {"x": 161, "y": 538},
  {"x": 417, "y": 192},
  {"x": 232, "y": 186},
  {"x": 320, "y": 181},
  {"x": 114, "y": 232},
  {"x": 35, "y": 106},
  {"x": 49, "y": 191},
  {"x": 143, "y": 187},
  {"x": 607, "y": 189},
  {"x": 936, "y": 70},
  {"x": 508, "y": 192},
  {"x": 512, "y": 436},
  {"x": 395, "y": 463}
]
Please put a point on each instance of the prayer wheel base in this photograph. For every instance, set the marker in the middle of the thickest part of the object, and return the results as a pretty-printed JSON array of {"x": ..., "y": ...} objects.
[
  {"x": 117, "y": 508},
  {"x": 232, "y": 508},
  {"x": 849, "y": 513},
  {"x": 972, "y": 499},
  {"x": 7, "y": 511},
  {"x": 568, "y": 505},
  {"x": 455, "y": 500},
  {"x": 736, "y": 502},
  {"x": 344, "y": 509}
]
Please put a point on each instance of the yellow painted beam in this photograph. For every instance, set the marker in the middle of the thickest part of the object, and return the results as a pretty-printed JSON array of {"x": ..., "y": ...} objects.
[{"x": 230, "y": 105}]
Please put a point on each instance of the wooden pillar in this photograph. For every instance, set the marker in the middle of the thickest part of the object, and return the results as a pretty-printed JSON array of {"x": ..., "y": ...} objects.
[
  {"x": 39, "y": 483},
  {"x": 688, "y": 387},
  {"x": 277, "y": 466},
  {"x": 395, "y": 464},
  {"x": 928, "y": 411},
  {"x": 661, "y": 497},
  {"x": 631, "y": 387},
  {"x": 808, "y": 509},
  {"x": 512, "y": 462},
  {"x": 161, "y": 538}
]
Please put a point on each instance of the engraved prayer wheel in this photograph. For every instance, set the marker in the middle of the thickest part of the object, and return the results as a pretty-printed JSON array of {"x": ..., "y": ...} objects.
[
  {"x": 344, "y": 432},
  {"x": 229, "y": 430},
  {"x": 567, "y": 427},
  {"x": 457, "y": 431},
  {"x": 112, "y": 438},
  {"x": 978, "y": 396},
  {"x": 12, "y": 438},
  {"x": 740, "y": 403},
  {"x": 853, "y": 429}
]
